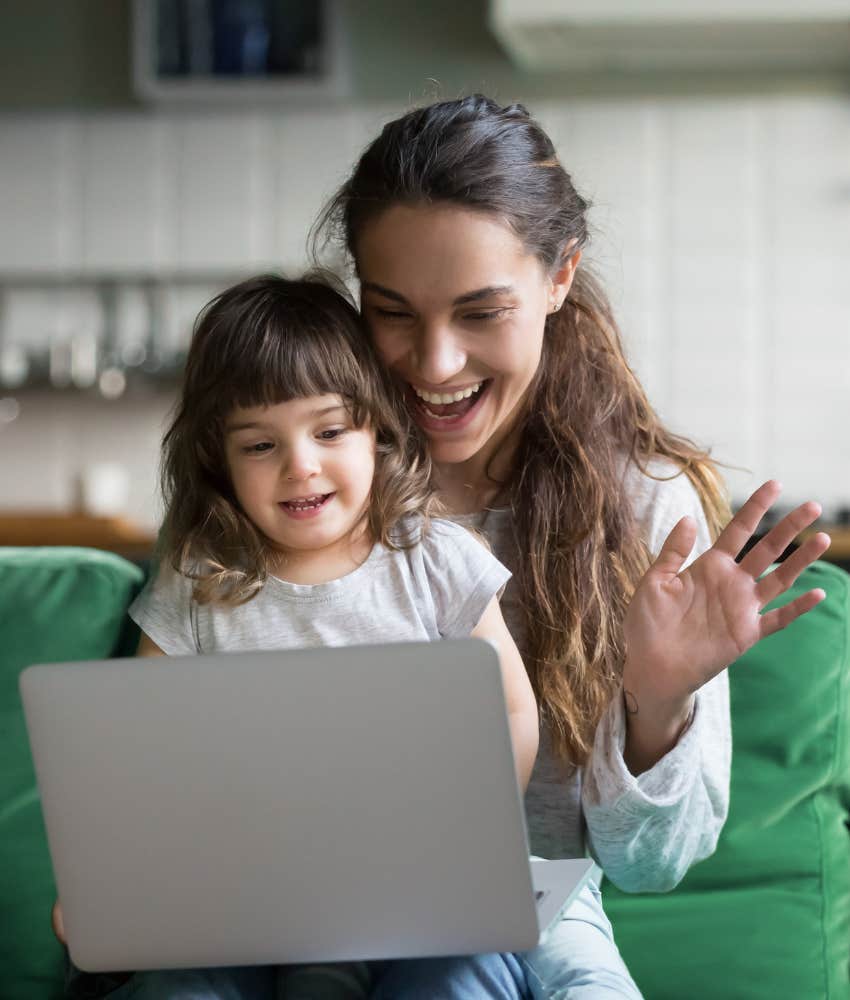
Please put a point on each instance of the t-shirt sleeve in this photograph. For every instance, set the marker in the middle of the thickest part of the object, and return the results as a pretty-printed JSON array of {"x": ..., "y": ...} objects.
[
  {"x": 165, "y": 611},
  {"x": 462, "y": 575}
]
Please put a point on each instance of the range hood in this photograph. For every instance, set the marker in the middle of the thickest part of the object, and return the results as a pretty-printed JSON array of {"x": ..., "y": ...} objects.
[{"x": 640, "y": 35}]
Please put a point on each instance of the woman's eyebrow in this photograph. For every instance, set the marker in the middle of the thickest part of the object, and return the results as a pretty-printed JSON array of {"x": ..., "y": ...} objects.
[
  {"x": 388, "y": 293},
  {"x": 477, "y": 295},
  {"x": 483, "y": 293}
]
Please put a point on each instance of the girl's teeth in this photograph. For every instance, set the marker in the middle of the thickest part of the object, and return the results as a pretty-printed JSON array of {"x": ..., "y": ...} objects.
[{"x": 304, "y": 504}]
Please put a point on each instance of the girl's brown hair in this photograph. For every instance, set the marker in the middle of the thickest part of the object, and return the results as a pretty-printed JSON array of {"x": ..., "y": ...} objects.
[
  {"x": 587, "y": 415},
  {"x": 265, "y": 341}
]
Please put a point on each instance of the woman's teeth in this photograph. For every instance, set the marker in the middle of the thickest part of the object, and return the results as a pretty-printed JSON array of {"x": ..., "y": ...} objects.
[{"x": 442, "y": 398}]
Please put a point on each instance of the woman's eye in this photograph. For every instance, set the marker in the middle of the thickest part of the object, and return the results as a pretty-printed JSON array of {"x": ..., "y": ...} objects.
[
  {"x": 490, "y": 314},
  {"x": 391, "y": 314}
]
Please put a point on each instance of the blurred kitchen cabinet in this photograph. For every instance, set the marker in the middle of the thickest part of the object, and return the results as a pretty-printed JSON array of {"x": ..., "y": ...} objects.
[{"x": 239, "y": 50}]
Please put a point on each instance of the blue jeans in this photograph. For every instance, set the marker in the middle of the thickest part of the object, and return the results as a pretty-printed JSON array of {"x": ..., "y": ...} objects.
[
  {"x": 465, "y": 978},
  {"x": 577, "y": 960},
  {"x": 248, "y": 983}
]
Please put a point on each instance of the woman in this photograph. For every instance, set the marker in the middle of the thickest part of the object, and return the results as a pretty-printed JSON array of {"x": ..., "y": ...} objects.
[{"x": 467, "y": 235}]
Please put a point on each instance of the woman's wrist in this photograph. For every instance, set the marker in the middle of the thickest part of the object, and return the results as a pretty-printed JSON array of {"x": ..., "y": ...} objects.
[{"x": 653, "y": 727}]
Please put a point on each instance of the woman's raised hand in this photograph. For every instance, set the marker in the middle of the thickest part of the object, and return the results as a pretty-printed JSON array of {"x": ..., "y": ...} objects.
[{"x": 683, "y": 627}]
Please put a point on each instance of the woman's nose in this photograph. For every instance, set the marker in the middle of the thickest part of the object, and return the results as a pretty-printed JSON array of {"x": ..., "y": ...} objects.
[{"x": 437, "y": 355}]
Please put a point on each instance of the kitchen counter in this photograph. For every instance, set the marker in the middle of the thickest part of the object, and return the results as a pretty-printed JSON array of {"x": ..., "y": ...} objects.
[{"x": 114, "y": 534}]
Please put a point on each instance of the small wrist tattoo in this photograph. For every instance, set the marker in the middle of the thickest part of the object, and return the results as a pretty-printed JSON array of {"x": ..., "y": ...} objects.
[{"x": 630, "y": 702}]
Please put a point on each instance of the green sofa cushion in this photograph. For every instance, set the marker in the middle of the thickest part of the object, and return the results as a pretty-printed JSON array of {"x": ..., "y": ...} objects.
[
  {"x": 56, "y": 604},
  {"x": 768, "y": 915}
]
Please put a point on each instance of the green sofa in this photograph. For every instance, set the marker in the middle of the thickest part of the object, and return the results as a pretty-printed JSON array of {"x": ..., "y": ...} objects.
[{"x": 768, "y": 916}]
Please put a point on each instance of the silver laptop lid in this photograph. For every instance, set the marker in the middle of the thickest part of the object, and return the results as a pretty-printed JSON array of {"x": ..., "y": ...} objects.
[{"x": 308, "y": 805}]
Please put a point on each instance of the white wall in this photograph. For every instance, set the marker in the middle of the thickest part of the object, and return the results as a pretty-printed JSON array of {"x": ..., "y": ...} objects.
[{"x": 722, "y": 230}]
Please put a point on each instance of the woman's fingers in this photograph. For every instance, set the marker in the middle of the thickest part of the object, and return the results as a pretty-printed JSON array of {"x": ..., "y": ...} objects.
[
  {"x": 743, "y": 525},
  {"x": 777, "y": 582},
  {"x": 774, "y": 543},
  {"x": 780, "y": 618},
  {"x": 676, "y": 548}
]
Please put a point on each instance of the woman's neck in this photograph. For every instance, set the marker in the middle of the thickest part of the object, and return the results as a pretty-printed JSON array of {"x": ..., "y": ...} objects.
[{"x": 479, "y": 482}]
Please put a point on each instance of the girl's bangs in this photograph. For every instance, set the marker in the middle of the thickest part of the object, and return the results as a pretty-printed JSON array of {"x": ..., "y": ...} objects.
[{"x": 298, "y": 364}]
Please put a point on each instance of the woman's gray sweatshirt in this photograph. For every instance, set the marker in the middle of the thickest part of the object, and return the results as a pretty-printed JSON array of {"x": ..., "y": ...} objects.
[{"x": 644, "y": 831}]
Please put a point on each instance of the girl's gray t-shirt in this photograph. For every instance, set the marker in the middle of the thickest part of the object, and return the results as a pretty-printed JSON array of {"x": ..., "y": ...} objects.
[{"x": 437, "y": 589}]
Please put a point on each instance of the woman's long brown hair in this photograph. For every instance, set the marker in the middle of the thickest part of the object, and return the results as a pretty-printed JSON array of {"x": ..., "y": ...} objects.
[
  {"x": 587, "y": 416},
  {"x": 265, "y": 341}
]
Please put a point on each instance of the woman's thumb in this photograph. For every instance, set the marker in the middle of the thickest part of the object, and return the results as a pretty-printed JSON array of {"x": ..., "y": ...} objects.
[{"x": 676, "y": 548}]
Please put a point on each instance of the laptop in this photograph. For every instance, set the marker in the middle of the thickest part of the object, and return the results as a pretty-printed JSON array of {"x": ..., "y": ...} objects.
[{"x": 277, "y": 807}]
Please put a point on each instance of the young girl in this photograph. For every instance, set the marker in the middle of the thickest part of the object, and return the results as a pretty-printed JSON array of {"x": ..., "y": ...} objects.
[{"x": 298, "y": 513}]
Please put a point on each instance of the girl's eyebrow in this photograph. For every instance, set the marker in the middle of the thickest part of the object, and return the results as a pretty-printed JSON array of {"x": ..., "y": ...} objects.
[
  {"x": 325, "y": 410},
  {"x": 477, "y": 295},
  {"x": 250, "y": 425}
]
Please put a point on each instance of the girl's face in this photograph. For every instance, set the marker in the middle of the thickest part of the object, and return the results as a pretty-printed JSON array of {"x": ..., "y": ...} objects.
[
  {"x": 302, "y": 473},
  {"x": 457, "y": 307}
]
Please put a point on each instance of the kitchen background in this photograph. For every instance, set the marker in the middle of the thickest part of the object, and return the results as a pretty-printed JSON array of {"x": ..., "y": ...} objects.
[{"x": 717, "y": 156}]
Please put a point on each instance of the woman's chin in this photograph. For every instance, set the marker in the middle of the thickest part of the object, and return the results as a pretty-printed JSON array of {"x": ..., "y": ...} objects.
[{"x": 445, "y": 451}]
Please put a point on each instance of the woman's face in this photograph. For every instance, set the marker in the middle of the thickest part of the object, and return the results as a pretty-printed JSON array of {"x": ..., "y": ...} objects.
[{"x": 457, "y": 306}]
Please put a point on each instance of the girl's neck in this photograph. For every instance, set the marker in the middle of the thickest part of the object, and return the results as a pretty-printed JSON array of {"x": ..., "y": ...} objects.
[{"x": 314, "y": 566}]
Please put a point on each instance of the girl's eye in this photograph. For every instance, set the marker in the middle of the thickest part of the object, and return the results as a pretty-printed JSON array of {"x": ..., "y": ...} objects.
[
  {"x": 258, "y": 449},
  {"x": 332, "y": 433}
]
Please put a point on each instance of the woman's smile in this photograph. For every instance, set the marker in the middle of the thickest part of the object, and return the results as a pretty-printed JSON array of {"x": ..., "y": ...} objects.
[{"x": 448, "y": 410}]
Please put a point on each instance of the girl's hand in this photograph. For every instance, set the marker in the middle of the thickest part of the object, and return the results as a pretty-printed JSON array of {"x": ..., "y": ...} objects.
[
  {"x": 57, "y": 922},
  {"x": 684, "y": 628}
]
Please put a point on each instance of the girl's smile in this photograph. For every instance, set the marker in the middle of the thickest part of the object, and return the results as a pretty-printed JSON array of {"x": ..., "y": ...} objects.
[{"x": 303, "y": 508}]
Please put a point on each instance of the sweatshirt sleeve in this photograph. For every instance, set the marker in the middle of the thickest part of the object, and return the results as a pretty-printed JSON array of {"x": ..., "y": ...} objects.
[{"x": 646, "y": 831}]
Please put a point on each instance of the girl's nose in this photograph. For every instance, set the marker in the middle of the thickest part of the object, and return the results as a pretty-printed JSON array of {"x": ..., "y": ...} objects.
[
  {"x": 437, "y": 355},
  {"x": 301, "y": 463}
]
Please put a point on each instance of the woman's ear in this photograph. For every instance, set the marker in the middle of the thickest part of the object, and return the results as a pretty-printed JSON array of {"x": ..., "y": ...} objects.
[{"x": 562, "y": 279}]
